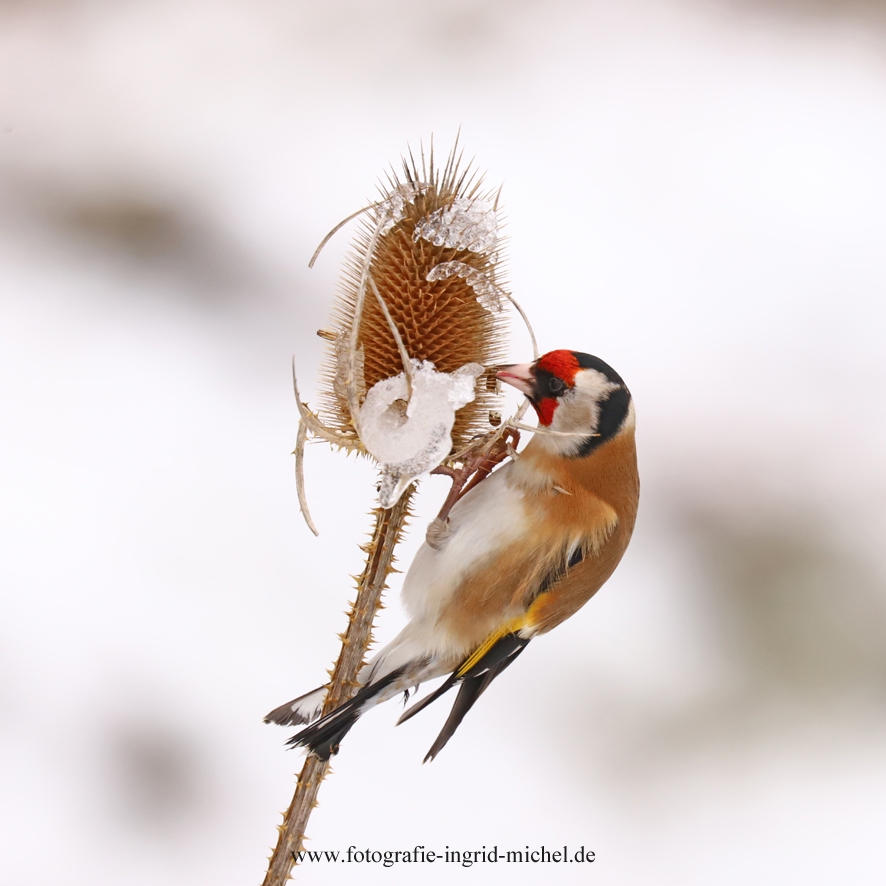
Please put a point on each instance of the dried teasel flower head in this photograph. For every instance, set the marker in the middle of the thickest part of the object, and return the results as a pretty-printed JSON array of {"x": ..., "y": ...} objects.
[{"x": 418, "y": 318}]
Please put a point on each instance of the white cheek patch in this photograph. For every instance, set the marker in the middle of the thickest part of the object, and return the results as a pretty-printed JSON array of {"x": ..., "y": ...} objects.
[
  {"x": 594, "y": 384},
  {"x": 577, "y": 415}
]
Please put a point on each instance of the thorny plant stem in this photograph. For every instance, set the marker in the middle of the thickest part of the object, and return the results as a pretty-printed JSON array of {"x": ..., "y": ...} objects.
[{"x": 389, "y": 525}]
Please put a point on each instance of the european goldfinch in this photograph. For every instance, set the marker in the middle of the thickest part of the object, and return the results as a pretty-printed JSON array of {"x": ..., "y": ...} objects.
[{"x": 520, "y": 552}]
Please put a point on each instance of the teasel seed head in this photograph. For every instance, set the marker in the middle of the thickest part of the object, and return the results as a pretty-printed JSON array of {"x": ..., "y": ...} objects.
[{"x": 423, "y": 283}]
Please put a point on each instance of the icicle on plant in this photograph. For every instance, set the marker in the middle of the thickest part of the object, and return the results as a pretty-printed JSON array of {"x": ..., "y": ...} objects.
[{"x": 416, "y": 324}]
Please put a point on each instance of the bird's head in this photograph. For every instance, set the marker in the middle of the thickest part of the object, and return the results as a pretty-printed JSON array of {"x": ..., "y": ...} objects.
[{"x": 581, "y": 398}]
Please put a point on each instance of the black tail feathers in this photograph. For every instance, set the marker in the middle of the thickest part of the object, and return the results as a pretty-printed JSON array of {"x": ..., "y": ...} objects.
[
  {"x": 323, "y": 737},
  {"x": 472, "y": 684}
]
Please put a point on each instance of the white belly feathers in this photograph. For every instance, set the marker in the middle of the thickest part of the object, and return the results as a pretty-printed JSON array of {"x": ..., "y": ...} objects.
[{"x": 487, "y": 519}]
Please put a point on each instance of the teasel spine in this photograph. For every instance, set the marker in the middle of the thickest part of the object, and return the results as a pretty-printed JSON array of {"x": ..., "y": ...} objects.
[{"x": 356, "y": 639}]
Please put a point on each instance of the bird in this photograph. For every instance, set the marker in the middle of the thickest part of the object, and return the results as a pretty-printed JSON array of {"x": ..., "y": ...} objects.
[{"x": 519, "y": 553}]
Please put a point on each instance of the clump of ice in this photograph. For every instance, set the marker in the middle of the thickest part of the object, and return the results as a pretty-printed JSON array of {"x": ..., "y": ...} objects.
[
  {"x": 410, "y": 439},
  {"x": 393, "y": 208},
  {"x": 464, "y": 224},
  {"x": 488, "y": 294}
]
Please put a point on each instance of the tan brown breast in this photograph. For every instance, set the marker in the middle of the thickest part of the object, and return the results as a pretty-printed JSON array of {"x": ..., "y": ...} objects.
[
  {"x": 604, "y": 482},
  {"x": 589, "y": 502}
]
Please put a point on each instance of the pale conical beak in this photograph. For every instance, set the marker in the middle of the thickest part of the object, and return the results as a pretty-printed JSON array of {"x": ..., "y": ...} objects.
[{"x": 521, "y": 376}]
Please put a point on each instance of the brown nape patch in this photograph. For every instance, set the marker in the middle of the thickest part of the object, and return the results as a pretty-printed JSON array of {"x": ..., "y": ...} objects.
[
  {"x": 609, "y": 473},
  {"x": 441, "y": 320}
]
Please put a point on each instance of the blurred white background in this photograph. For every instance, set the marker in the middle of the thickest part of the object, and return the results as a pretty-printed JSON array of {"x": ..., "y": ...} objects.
[{"x": 695, "y": 193}]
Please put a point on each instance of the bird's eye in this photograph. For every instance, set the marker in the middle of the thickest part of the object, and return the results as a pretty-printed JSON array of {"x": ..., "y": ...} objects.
[{"x": 556, "y": 385}]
